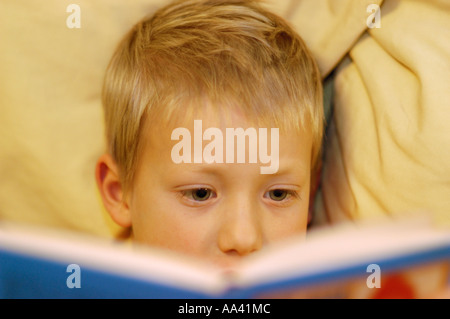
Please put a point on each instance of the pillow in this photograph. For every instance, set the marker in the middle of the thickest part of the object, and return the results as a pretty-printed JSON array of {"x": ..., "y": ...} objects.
[
  {"x": 387, "y": 147},
  {"x": 51, "y": 128},
  {"x": 51, "y": 124}
]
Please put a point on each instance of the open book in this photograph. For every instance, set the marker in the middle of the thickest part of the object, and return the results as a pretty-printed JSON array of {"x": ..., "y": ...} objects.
[{"x": 387, "y": 259}]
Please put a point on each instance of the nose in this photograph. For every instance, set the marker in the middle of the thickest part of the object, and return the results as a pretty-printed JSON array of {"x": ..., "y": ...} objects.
[{"x": 241, "y": 229}]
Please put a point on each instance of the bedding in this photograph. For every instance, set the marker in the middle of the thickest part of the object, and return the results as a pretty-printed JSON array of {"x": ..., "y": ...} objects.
[{"x": 387, "y": 146}]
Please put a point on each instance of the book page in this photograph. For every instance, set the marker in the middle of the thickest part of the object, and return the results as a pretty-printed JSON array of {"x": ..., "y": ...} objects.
[
  {"x": 338, "y": 255},
  {"x": 143, "y": 264}
]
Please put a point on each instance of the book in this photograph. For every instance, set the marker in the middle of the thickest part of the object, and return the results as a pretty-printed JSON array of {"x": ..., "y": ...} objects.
[{"x": 353, "y": 260}]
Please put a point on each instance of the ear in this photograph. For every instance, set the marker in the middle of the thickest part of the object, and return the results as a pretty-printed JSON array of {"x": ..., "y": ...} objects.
[{"x": 110, "y": 187}]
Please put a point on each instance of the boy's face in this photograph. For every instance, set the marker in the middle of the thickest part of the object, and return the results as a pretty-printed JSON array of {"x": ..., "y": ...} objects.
[{"x": 221, "y": 211}]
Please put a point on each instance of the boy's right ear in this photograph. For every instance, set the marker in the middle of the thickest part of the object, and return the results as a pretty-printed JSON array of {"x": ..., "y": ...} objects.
[{"x": 110, "y": 187}]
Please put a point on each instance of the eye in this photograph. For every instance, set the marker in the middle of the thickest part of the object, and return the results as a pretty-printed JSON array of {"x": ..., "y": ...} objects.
[
  {"x": 278, "y": 194},
  {"x": 198, "y": 194},
  {"x": 281, "y": 195}
]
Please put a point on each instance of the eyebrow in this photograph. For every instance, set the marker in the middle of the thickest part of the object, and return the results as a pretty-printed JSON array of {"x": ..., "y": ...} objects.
[
  {"x": 215, "y": 169},
  {"x": 299, "y": 175}
]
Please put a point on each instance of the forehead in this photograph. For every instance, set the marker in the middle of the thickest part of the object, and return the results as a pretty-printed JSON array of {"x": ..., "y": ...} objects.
[
  {"x": 295, "y": 145},
  {"x": 226, "y": 113}
]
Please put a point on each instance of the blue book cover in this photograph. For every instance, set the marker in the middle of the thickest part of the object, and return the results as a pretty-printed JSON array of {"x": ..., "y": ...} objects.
[{"x": 384, "y": 260}]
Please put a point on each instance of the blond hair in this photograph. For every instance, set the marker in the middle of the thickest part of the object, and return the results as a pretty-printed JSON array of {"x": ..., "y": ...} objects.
[{"x": 227, "y": 52}]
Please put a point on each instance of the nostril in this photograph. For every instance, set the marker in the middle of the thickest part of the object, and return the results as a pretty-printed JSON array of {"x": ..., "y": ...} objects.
[
  {"x": 240, "y": 252},
  {"x": 233, "y": 253},
  {"x": 240, "y": 236}
]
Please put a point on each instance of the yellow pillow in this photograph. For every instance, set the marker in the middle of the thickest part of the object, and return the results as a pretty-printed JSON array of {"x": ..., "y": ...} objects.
[
  {"x": 51, "y": 124},
  {"x": 387, "y": 149},
  {"x": 52, "y": 62}
]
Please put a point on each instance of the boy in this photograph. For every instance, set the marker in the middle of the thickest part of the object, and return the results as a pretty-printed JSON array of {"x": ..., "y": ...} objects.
[{"x": 213, "y": 115}]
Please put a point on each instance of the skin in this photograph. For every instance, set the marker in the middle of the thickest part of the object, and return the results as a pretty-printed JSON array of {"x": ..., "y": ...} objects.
[{"x": 221, "y": 212}]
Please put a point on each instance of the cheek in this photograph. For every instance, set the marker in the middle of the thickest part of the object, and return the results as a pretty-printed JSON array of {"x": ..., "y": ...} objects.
[
  {"x": 286, "y": 225},
  {"x": 160, "y": 223}
]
